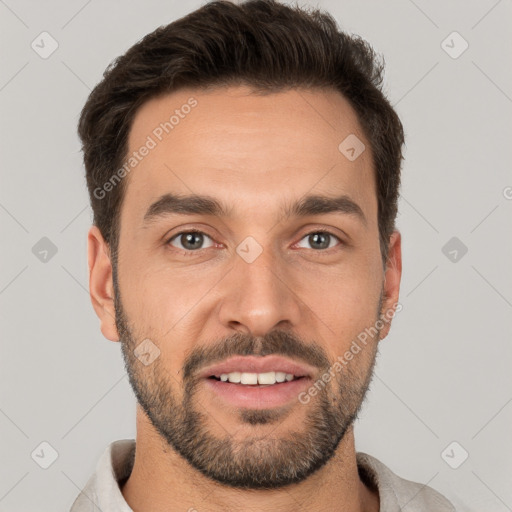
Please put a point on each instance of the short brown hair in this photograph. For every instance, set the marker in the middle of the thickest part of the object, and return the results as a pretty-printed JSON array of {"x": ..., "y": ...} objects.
[{"x": 261, "y": 43}]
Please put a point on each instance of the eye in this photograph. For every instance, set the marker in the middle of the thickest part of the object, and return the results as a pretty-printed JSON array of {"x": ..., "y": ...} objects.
[
  {"x": 321, "y": 239},
  {"x": 189, "y": 241},
  {"x": 193, "y": 241}
]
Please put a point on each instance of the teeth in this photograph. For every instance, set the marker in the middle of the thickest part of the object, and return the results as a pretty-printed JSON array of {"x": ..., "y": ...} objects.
[
  {"x": 267, "y": 378},
  {"x": 233, "y": 377},
  {"x": 280, "y": 376},
  {"x": 249, "y": 378}
]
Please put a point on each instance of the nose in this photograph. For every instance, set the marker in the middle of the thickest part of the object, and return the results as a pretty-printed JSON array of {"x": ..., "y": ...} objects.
[{"x": 260, "y": 296}]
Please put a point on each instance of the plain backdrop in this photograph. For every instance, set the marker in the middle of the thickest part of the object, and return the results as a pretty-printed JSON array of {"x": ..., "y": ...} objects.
[{"x": 443, "y": 375}]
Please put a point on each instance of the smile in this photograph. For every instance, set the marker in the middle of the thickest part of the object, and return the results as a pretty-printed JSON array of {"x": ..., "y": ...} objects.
[{"x": 251, "y": 379}]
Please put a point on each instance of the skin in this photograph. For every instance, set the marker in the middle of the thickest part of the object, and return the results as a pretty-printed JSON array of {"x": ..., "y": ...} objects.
[{"x": 255, "y": 153}]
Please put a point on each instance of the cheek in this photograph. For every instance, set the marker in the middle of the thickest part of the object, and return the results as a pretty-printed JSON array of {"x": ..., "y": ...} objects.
[
  {"x": 168, "y": 307},
  {"x": 347, "y": 312},
  {"x": 159, "y": 296},
  {"x": 346, "y": 299}
]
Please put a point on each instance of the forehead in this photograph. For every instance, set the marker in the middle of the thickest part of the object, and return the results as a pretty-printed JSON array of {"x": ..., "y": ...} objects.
[{"x": 255, "y": 152}]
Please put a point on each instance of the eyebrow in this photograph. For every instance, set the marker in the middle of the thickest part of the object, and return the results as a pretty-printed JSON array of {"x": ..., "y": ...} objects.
[{"x": 169, "y": 204}]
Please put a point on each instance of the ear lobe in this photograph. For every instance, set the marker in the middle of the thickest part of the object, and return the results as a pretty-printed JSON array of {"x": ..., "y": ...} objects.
[
  {"x": 101, "y": 286},
  {"x": 392, "y": 277}
]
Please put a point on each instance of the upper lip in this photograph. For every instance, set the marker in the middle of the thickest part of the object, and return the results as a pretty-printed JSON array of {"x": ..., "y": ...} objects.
[{"x": 258, "y": 364}]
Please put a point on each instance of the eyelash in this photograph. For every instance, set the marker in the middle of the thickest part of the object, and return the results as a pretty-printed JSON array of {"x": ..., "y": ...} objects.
[{"x": 191, "y": 231}]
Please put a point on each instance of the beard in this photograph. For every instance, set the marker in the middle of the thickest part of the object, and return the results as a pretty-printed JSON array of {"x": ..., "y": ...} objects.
[{"x": 257, "y": 461}]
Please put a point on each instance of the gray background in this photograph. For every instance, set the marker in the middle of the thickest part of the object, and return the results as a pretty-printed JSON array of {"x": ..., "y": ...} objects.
[{"x": 444, "y": 371}]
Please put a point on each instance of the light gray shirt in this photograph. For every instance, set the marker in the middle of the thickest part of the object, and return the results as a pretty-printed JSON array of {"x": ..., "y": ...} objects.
[{"x": 102, "y": 491}]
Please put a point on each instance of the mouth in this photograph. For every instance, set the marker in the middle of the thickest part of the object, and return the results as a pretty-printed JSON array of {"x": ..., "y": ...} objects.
[
  {"x": 256, "y": 379},
  {"x": 257, "y": 382}
]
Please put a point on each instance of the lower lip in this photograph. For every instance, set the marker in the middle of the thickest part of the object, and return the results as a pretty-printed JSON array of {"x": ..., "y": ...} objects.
[{"x": 258, "y": 397}]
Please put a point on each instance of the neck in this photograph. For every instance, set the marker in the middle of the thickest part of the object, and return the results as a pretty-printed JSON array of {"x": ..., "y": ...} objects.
[{"x": 162, "y": 480}]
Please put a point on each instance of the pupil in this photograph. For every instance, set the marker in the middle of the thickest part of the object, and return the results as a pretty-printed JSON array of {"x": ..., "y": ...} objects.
[
  {"x": 189, "y": 237},
  {"x": 316, "y": 237}
]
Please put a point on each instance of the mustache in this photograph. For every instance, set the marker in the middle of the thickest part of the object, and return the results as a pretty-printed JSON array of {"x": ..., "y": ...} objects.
[{"x": 276, "y": 342}]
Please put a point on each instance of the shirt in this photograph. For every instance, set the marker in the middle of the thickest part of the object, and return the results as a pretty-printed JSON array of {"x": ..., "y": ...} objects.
[{"x": 102, "y": 491}]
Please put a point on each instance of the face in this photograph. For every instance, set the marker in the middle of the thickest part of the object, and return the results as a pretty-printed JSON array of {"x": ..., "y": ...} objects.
[{"x": 261, "y": 280}]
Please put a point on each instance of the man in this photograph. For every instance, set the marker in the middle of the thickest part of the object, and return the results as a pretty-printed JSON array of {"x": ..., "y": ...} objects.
[{"x": 243, "y": 167}]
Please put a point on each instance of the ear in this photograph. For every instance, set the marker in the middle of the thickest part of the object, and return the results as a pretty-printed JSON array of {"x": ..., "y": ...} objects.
[
  {"x": 392, "y": 276},
  {"x": 101, "y": 286}
]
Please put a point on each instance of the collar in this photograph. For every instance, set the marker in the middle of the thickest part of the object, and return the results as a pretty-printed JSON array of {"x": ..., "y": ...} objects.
[{"x": 102, "y": 492}]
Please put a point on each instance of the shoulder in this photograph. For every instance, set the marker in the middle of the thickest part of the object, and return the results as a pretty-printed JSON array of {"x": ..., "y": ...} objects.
[
  {"x": 395, "y": 492},
  {"x": 102, "y": 491}
]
